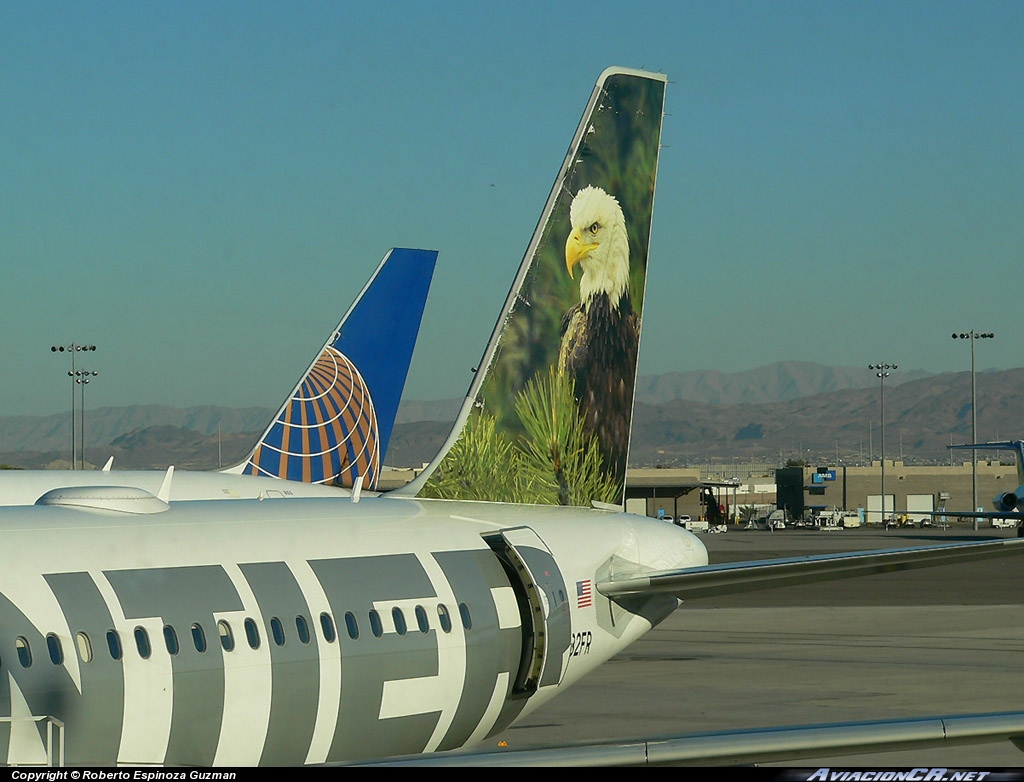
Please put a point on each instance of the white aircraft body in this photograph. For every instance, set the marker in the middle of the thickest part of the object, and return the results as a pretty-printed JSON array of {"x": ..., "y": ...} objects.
[
  {"x": 331, "y": 432},
  {"x": 330, "y": 630}
]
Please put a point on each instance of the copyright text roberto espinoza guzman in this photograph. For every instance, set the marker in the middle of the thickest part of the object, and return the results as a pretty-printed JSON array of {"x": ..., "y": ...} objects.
[{"x": 116, "y": 775}]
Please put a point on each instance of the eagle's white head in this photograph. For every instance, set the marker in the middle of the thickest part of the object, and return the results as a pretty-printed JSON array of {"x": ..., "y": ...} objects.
[{"x": 599, "y": 244}]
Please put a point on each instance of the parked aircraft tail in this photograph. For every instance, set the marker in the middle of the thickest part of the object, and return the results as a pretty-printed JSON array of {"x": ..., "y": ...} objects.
[
  {"x": 335, "y": 426},
  {"x": 1010, "y": 501},
  {"x": 1015, "y": 445},
  {"x": 547, "y": 417}
]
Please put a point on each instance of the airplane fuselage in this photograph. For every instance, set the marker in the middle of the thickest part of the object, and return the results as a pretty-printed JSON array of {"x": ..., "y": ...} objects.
[
  {"x": 310, "y": 630},
  {"x": 24, "y": 487}
]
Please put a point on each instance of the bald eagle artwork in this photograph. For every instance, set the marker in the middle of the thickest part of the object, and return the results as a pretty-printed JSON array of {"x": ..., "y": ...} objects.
[{"x": 600, "y": 334}]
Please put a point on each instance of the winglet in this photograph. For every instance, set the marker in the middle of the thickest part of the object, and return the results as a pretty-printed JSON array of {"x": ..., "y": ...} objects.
[
  {"x": 336, "y": 424},
  {"x": 165, "y": 488},
  {"x": 108, "y": 465},
  {"x": 547, "y": 417}
]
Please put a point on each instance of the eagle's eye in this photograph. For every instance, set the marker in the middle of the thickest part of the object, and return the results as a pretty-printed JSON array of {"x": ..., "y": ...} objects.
[{"x": 594, "y": 228}]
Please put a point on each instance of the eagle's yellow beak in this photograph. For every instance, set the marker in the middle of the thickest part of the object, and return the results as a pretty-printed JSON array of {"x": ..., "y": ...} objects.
[{"x": 576, "y": 250}]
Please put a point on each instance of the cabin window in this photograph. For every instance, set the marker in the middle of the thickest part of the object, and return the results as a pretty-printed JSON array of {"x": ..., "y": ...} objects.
[
  {"x": 53, "y": 646},
  {"x": 252, "y": 634},
  {"x": 227, "y": 638},
  {"x": 375, "y": 625},
  {"x": 84, "y": 647},
  {"x": 399, "y": 619},
  {"x": 171, "y": 640},
  {"x": 142, "y": 642},
  {"x": 467, "y": 620},
  {"x": 24, "y": 652},
  {"x": 445, "y": 617},
  {"x": 302, "y": 628},
  {"x": 327, "y": 625},
  {"x": 421, "y": 619},
  {"x": 351, "y": 625},
  {"x": 199, "y": 637},
  {"x": 277, "y": 630},
  {"x": 114, "y": 644}
]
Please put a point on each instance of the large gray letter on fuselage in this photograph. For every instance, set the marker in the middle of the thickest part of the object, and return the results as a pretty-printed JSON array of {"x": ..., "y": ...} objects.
[
  {"x": 490, "y": 650},
  {"x": 296, "y": 665},
  {"x": 359, "y": 585},
  {"x": 94, "y": 719},
  {"x": 48, "y": 689},
  {"x": 180, "y": 597}
]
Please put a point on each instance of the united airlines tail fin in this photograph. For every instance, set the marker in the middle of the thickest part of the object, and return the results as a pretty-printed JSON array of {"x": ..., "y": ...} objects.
[
  {"x": 335, "y": 426},
  {"x": 547, "y": 417}
]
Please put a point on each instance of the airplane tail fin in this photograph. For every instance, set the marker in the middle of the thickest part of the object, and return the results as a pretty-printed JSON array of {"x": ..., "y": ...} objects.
[
  {"x": 335, "y": 426},
  {"x": 547, "y": 417},
  {"x": 1017, "y": 446}
]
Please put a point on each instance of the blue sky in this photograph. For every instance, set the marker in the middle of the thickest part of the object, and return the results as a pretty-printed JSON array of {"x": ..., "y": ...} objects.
[{"x": 200, "y": 189}]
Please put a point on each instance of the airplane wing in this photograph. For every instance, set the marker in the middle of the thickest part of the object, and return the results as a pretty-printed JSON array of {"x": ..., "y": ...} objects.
[
  {"x": 730, "y": 578},
  {"x": 767, "y": 745}
]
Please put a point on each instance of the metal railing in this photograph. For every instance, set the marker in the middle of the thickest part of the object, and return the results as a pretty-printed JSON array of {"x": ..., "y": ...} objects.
[
  {"x": 740, "y": 470},
  {"x": 51, "y": 723}
]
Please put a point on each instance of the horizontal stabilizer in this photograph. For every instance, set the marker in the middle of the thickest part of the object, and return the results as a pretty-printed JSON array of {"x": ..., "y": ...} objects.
[
  {"x": 1005, "y": 445},
  {"x": 1017, "y": 446},
  {"x": 731, "y": 578}
]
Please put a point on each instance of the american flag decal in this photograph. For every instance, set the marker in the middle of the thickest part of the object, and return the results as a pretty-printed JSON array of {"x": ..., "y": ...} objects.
[{"x": 583, "y": 595}]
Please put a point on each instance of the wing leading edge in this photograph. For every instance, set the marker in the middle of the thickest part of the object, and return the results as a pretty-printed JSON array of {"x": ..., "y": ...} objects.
[
  {"x": 757, "y": 746},
  {"x": 724, "y": 579}
]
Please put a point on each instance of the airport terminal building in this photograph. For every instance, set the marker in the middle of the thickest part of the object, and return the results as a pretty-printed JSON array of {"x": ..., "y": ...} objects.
[
  {"x": 804, "y": 492},
  {"x": 819, "y": 490}
]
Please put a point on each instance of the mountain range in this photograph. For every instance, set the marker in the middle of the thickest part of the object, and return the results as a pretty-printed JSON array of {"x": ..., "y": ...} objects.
[{"x": 776, "y": 412}]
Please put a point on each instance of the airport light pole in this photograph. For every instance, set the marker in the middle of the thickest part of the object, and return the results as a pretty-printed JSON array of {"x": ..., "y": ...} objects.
[
  {"x": 972, "y": 335},
  {"x": 82, "y": 378},
  {"x": 73, "y": 348},
  {"x": 882, "y": 372}
]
